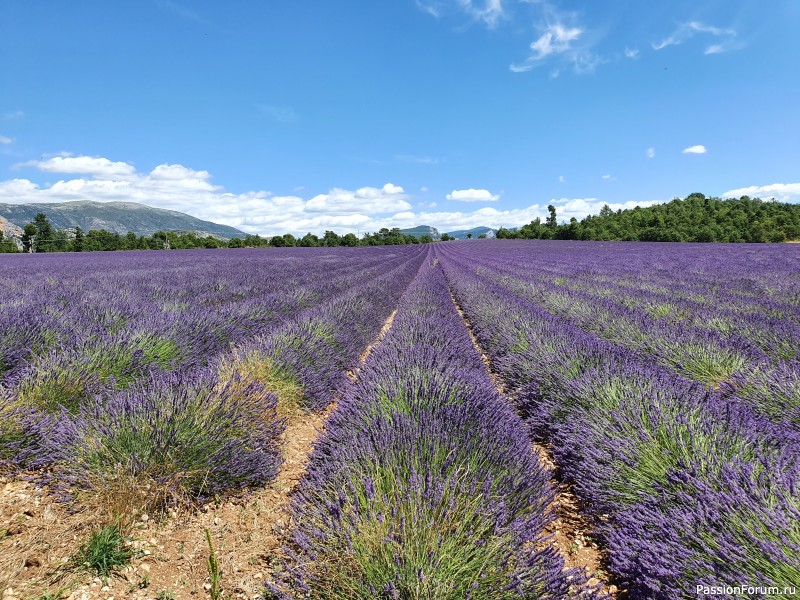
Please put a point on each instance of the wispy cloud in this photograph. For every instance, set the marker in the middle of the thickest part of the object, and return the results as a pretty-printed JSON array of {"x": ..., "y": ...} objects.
[
  {"x": 631, "y": 52},
  {"x": 607, "y": 178},
  {"x": 686, "y": 31},
  {"x": 651, "y": 153},
  {"x": 561, "y": 44},
  {"x": 562, "y": 179},
  {"x": 432, "y": 8},
  {"x": 5, "y": 140},
  {"x": 472, "y": 195},
  {"x": 487, "y": 11},
  {"x": 698, "y": 149},
  {"x": 184, "y": 12},
  {"x": 17, "y": 114},
  {"x": 281, "y": 114},
  {"x": 784, "y": 192},
  {"x": 420, "y": 160}
]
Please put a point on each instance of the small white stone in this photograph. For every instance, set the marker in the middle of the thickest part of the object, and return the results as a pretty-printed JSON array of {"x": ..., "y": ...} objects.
[
  {"x": 105, "y": 588},
  {"x": 206, "y": 586},
  {"x": 145, "y": 517}
]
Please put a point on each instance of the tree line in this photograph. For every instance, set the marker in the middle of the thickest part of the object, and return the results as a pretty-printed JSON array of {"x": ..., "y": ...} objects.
[
  {"x": 40, "y": 236},
  {"x": 693, "y": 219}
]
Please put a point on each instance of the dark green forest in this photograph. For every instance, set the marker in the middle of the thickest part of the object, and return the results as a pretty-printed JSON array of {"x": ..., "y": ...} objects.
[{"x": 693, "y": 219}]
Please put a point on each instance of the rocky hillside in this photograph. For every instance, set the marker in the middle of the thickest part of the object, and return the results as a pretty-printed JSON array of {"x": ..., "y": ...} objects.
[
  {"x": 421, "y": 230},
  {"x": 461, "y": 234}
]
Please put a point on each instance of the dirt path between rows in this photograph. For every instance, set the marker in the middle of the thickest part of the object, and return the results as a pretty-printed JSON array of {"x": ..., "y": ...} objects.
[
  {"x": 38, "y": 534},
  {"x": 571, "y": 530}
]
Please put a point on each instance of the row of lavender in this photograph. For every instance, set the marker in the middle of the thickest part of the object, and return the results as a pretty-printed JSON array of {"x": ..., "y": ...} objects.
[
  {"x": 726, "y": 319},
  {"x": 688, "y": 486},
  {"x": 424, "y": 484},
  {"x": 201, "y": 426},
  {"x": 119, "y": 316}
]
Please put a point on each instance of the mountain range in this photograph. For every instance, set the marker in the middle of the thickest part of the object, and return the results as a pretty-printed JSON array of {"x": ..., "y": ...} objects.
[
  {"x": 122, "y": 217},
  {"x": 117, "y": 217},
  {"x": 461, "y": 234}
]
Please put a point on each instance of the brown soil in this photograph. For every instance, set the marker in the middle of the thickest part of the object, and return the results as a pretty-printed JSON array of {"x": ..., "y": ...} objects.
[
  {"x": 571, "y": 530},
  {"x": 39, "y": 535}
]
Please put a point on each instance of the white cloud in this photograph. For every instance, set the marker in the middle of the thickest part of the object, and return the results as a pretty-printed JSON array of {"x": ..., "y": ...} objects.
[
  {"x": 699, "y": 149},
  {"x": 580, "y": 207},
  {"x": 17, "y": 114},
  {"x": 176, "y": 187},
  {"x": 371, "y": 200},
  {"x": 631, "y": 52},
  {"x": 472, "y": 195},
  {"x": 559, "y": 42},
  {"x": 783, "y": 192},
  {"x": 181, "y": 188},
  {"x": 651, "y": 152},
  {"x": 488, "y": 11},
  {"x": 686, "y": 31},
  {"x": 607, "y": 178},
  {"x": 562, "y": 179},
  {"x": 5, "y": 140},
  {"x": 423, "y": 189},
  {"x": 85, "y": 165}
]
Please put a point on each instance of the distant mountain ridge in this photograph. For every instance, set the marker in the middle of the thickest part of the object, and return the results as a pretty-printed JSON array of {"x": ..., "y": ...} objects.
[
  {"x": 116, "y": 217},
  {"x": 421, "y": 230},
  {"x": 460, "y": 234}
]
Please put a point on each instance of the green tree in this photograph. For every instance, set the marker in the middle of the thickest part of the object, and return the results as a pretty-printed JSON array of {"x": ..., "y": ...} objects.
[
  {"x": 331, "y": 239},
  {"x": 309, "y": 240},
  {"x": 350, "y": 240},
  {"x": 42, "y": 234},
  {"x": 552, "y": 221},
  {"x": 7, "y": 244},
  {"x": 77, "y": 242},
  {"x": 28, "y": 237}
]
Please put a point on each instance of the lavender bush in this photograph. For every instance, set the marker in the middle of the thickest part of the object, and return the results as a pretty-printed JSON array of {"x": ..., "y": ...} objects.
[{"x": 187, "y": 433}]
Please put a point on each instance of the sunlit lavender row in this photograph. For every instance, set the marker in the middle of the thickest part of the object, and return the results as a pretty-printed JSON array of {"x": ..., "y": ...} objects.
[
  {"x": 424, "y": 484},
  {"x": 679, "y": 435}
]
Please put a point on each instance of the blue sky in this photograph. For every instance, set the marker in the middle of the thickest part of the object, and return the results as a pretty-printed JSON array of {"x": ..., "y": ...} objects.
[{"x": 300, "y": 115}]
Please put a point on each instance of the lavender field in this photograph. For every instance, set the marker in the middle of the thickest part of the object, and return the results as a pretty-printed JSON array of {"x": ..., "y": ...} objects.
[{"x": 663, "y": 379}]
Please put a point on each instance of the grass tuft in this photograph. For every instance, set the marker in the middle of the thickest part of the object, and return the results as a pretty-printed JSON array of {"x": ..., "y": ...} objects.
[{"x": 105, "y": 551}]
